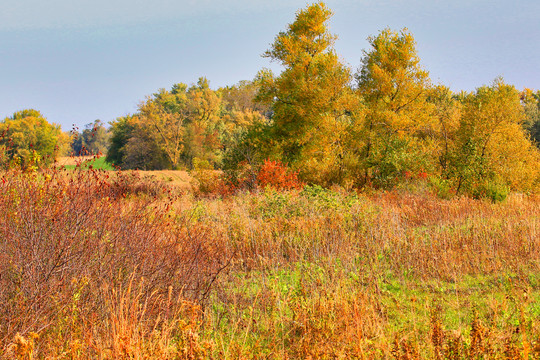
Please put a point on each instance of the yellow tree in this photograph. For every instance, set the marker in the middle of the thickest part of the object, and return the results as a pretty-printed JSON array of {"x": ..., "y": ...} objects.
[
  {"x": 395, "y": 91},
  {"x": 448, "y": 115},
  {"x": 204, "y": 124},
  {"x": 164, "y": 115},
  {"x": 310, "y": 98},
  {"x": 493, "y": 153},
  {"x": 183, "y": 122},
  {"x": 30, "y": 140}
]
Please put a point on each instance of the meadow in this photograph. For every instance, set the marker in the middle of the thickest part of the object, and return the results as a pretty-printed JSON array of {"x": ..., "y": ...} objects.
[{"x": 102, "y": 265}]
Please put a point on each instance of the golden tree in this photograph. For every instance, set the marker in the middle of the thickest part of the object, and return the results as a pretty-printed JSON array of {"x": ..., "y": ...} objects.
[
  {"x": 310, "y": 98},
  {"x": 390, "y": 137},
  {"x": 493, "y": 154}
]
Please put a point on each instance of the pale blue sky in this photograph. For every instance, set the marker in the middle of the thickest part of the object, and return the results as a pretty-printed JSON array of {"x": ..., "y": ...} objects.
[{"x": 81, "y": 60}]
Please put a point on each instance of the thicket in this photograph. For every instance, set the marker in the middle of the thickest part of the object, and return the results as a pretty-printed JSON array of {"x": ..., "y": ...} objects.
[{"x": 96, "y": 264}]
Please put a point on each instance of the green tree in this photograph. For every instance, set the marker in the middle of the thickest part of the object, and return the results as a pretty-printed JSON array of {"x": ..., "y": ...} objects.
[
  {"x": 133, "y": 146},
  {"x": 121, "y": 131},
  {"x": 310, "y": 99},
  {"x": 30, "y": 140},
  {"x": 530, "y": 101}
]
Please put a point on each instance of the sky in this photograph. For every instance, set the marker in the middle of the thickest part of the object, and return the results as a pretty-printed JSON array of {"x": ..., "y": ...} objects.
[{"x": 81, "y": 60}]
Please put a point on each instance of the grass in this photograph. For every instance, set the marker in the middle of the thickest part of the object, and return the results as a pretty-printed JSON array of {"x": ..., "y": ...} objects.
[
  {"x": 131, "y": 267},
  {"x": 93, "y": 162}
]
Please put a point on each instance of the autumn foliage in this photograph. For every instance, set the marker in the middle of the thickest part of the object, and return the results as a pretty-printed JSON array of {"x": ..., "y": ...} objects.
[
  {"x": 277, "y": 176},
  {"x": 311, "y": 225},
  {"x": 94, "y": 262}
]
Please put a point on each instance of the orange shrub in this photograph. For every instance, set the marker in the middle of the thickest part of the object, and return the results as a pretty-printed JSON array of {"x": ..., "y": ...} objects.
[{"x": 278, "y": 176}]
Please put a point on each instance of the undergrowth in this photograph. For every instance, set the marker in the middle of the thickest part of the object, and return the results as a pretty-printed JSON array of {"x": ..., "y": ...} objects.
[{"x": 105, "y": 265}]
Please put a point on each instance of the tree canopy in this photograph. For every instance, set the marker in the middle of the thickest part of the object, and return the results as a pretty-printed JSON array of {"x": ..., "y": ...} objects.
[
  {"x": 173, "y": 128},
  {"x": 28, "y": 139},
  {"x": 311, "y": 98}
]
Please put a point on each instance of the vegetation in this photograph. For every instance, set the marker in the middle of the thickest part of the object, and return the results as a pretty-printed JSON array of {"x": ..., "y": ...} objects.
[
  {"x": 93, "y": 162},
  {"x": 93, "y": 140},
  {"x": 28, "y": 140},
  {"x": 309, "y": 99},
  {"x": 96, "y": 264},
  {"x": 313, "y": 214},
  {"x": 370, "y": 130},
  {"x": 174, "y": 128}
]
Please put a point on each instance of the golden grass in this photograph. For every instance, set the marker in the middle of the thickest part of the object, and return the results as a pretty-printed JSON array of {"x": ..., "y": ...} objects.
[
  {"x": 129, "y": 267},
  {"x": 72, "y": 160},
  {"x": 180, "y": 179}
]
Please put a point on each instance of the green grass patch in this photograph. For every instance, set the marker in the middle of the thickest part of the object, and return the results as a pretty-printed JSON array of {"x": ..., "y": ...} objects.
[{"x": 95, "y": 163}]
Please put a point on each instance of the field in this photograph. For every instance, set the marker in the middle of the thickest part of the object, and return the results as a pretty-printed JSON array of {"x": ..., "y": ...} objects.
[
  {"x": 137, "y": 266},
  {"x": 96, "y": 162}
]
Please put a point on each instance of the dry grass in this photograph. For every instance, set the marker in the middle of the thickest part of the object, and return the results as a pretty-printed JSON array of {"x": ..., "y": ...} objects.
[
  {"x": 323, "y": 274},
  {"x": 94, "y": 265},
  {"x": 100, "y": 266},
  {"x": 180, "y": 179},
  {"x": 72, "y": 160}
]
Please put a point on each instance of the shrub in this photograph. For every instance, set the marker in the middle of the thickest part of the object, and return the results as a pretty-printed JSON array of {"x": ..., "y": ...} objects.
[
  {"x": 277, "y": 175},
  {"x": 82, "y": 261},
  {"x": 207, "y": 180},
  {"x": 492, "y": 190},
  {"x": 441, "y": 187}
]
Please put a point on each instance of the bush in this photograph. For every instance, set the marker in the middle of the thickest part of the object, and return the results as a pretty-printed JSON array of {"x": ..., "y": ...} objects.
[
  {"x": 441, "y": 187},
  {"x": 207, "y": 180},
  {"x": 86, "y": 265},
  {"x": 492, "y": 190},
  {"x": 278, "y": 176}
]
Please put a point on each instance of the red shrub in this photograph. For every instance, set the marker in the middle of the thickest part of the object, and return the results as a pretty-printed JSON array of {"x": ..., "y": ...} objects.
[{"x": 278, "y": 176}]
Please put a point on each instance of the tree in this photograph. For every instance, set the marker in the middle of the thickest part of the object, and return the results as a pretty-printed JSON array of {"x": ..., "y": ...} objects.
[
  {"x": 395, "y": 89},
  {"x": 121, "y": 131},
  {"x": 177, "y": 126},
  {"x": 493, "y": 154},
  {"x": 204, "y": 124},
  {"x": 530, "y": 101},
  {"x": 30, "y": 140},
  {"x": 310, "y": 99},
  {"x": 164, "y": 116},
  {"x": 447, "y": 111},
  {"x": 241, "y": 98},
  {"x": 133, "y": 146},
  {"x": 93, "y": 140}
]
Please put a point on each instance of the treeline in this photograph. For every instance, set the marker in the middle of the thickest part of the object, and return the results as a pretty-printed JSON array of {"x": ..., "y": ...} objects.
[
  {"x": 186, "y": 125},
  {"x": 378, "y": 126}
]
